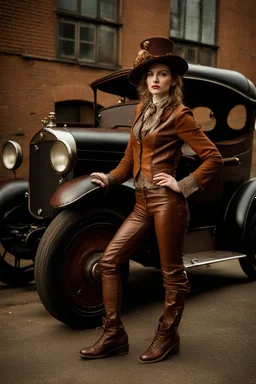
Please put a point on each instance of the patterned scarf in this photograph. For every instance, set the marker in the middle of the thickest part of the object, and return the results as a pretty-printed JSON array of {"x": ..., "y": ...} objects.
[{"x": 150, "y": 119}]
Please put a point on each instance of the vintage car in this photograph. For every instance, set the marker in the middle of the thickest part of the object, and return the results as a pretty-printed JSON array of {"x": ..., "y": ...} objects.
[{"x": 73, "y": 219}]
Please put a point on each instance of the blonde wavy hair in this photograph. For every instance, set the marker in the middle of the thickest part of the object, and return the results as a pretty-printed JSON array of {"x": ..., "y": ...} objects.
[{"x": 175, "y": 91}]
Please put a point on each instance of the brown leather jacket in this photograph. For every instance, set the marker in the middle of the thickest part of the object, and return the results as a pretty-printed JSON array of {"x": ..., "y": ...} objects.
[{"x": 160, "y": 150}]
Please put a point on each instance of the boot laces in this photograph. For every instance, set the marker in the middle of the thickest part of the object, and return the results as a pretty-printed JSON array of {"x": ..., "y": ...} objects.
[
  {"x": 154, "y": 340},
  {"x": 100, "y": 340}
]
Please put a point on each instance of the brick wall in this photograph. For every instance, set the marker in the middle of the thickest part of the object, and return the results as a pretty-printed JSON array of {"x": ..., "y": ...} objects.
[
  {"x": 28, "y": 27},
  {"x": 142, "y": 19},
  {"x": 237, "y": 36}
]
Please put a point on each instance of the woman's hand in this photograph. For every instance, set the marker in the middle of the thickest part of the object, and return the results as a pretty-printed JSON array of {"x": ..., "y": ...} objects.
[
  {"x": 100, "y": 178},
  {"x": 166, "y": 180}
]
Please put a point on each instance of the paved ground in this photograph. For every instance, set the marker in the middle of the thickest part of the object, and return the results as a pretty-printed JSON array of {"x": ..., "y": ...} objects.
[{"x": 218, "y": 335}]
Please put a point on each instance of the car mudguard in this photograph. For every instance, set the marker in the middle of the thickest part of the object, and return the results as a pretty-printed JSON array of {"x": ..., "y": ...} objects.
[
  {"x": 73, "y": 191},
  {"x": 239, "y": 216},
  {"x": 11, "y": 192},
  {"x": 79, "y": 189}
]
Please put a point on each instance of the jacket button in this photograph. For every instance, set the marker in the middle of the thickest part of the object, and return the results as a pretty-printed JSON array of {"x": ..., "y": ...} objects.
[{"x": 138, "y": 142}]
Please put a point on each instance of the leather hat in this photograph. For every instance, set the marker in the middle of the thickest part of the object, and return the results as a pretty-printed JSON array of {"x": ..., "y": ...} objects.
[{"x": 154, "y": 50}]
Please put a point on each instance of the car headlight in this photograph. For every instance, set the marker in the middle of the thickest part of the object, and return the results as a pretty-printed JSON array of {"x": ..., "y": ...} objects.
[
  {"x": 12, "y": 155},
  {"x": 62, "y": 157}
]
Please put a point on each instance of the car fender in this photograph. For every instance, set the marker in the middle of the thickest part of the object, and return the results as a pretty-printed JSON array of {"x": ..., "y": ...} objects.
[
  {"x": 239, "y": 216},
  {"x": 79, "y": 189},
  {"x": 74, "y": 191},
  {"x": 11, "y": 192}
]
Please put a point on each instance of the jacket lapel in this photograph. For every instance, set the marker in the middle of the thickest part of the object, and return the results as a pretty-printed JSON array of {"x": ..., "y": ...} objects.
[
  {"x": 138, "y": 112},
  {"x": 167, "y": 112}
]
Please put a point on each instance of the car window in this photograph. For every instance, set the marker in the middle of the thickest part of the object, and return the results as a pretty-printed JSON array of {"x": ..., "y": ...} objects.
[
  {"x": 117, "y": 116},
  {"x": 205, "y": 118},
  {"x": 237, "y": 117}
]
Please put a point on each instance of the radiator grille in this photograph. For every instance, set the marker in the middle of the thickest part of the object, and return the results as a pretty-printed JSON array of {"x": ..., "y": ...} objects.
[{"x": 43, "y": 181}]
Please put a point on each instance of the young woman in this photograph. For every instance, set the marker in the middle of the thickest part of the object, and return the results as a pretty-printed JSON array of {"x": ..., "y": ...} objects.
[{"x": 162, "y": 124}]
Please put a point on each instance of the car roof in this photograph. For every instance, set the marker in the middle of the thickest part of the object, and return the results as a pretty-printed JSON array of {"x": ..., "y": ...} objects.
[{"x": 117, "y": 82}]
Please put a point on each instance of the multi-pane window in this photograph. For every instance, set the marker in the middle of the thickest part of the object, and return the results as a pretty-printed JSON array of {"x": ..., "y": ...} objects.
[
  {"x": 193, "y": 24},
  {"x": 88, "y": 31}
]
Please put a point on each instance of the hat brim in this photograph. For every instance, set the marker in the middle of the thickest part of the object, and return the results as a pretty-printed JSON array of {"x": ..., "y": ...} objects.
[{"x": 177, "y": 64}]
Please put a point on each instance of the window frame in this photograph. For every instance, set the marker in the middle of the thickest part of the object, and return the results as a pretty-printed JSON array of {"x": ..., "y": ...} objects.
[
  {"x": 199, "y": 41},
  {"x": 78, "y": 19},
  {"x": 199, "y": 46}
]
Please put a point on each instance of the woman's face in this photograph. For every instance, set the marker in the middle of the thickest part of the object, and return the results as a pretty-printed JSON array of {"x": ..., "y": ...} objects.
[{"x": 159, "y": 80}]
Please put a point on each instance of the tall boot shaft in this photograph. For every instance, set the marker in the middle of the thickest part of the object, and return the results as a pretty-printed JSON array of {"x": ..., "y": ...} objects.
[
  {"x": 112, "y": 296},
  {"x": 173, "y": 308},
  {"x": 114, "y": 339}
]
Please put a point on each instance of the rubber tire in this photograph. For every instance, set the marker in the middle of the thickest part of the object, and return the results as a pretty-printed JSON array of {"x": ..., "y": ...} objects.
[{"x": 50, "y": 259}]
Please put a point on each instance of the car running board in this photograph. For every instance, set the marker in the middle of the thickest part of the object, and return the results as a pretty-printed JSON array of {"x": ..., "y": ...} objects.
[{"x": 209, "y": 257}]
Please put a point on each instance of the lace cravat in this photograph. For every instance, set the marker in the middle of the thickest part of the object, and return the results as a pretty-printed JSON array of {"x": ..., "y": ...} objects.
[{"x": 150, "y": 119}]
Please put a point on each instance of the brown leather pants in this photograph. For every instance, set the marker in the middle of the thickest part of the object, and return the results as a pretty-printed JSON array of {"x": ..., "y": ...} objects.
[{"x": 169, "y": 213}]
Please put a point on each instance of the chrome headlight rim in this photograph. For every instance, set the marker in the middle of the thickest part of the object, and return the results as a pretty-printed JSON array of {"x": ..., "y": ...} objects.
[
  {"x": 70, "y": 157},
  {"x": 13, "y": 165}
]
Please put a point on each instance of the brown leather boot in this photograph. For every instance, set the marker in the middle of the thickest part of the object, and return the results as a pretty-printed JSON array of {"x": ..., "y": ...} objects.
[
  {"x": 167, "y": 339},
  {"x": 114, "y": 340},
  {"x": 165, "y": 342}
]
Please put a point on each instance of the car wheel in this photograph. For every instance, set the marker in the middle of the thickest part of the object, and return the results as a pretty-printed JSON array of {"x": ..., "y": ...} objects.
[
  {"x": 16, "y": 256},
  {"x": 248, "y": 263},
  {"x": 66, "y": 269}
]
